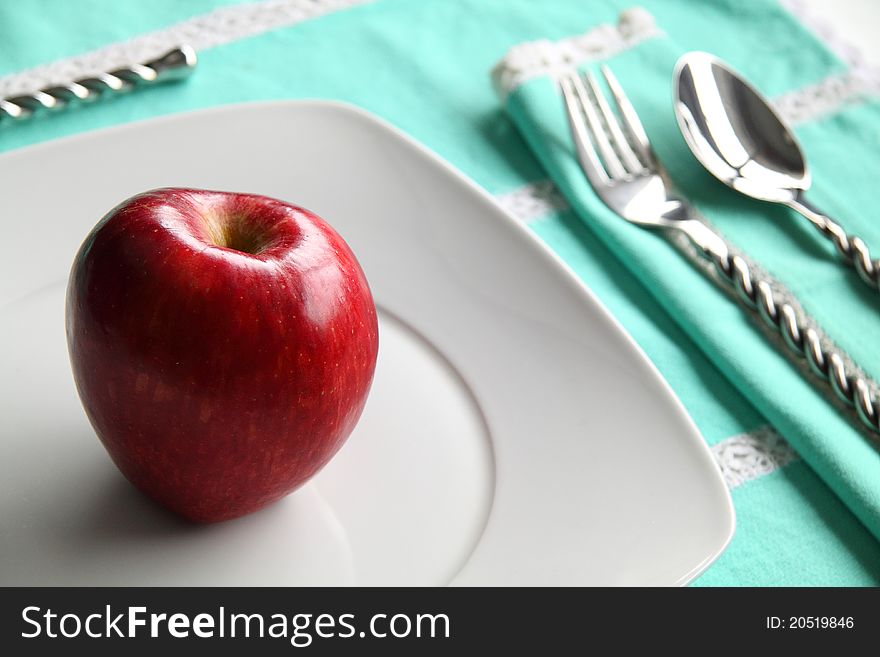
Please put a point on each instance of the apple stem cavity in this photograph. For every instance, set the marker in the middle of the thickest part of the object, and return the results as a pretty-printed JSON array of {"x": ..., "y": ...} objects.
[{"x": 233, "y": 230}]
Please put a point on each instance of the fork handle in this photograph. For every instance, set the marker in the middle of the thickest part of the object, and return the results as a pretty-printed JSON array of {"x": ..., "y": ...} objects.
[
  {"x": 758, "y": 296},
  {"x": 852, "y": 249}
]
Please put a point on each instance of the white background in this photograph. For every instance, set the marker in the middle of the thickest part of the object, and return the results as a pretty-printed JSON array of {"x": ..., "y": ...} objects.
[{"x": 856, "y": 21}]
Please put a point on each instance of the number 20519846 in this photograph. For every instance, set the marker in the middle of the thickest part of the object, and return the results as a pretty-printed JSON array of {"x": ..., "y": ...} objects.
[{"x": 810, "y": 623}]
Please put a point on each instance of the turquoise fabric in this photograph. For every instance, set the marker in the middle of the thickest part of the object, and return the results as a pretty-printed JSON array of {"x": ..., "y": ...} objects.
[
  {"x": 792, "y": 532},
  {"x": 424, "y": 66}
]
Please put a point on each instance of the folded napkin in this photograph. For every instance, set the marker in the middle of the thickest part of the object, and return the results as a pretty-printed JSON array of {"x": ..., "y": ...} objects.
[{"x": 842, "y": 151}]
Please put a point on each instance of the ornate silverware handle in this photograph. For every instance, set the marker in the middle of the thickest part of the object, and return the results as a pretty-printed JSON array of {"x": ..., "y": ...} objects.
[
  {"x": 852, "y": 249},
  {"x": 758, "y": 297},
  {"x": 176, "y": 64}
]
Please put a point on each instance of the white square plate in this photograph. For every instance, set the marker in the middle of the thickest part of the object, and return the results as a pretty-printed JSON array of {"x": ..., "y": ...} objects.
[{"x": 514, "y": 434}]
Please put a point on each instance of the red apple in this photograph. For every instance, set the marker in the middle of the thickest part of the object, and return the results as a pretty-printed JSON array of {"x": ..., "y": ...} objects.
[{"x": 222, "y": 344}]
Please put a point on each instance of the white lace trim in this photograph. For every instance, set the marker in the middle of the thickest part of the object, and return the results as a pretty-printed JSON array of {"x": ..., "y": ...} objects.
[
  {"x": 536, "y": 58},
  {"x": 829, "y": 95},
  {"x": 215, "y": 28},
  {"x": 533, "y": 200},
  {"x": 748, "y": 456}
]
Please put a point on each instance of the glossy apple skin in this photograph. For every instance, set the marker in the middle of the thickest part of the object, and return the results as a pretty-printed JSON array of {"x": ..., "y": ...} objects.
[{"x": 219, "y": 380}]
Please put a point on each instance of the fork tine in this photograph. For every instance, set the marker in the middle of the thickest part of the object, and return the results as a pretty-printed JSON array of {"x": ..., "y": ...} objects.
[
  {"x": 631, "y": 121},
  {"x": 618, "y": 141},
  {"x": 597, "y": 130},
  {"x": 586, "y": 152}
]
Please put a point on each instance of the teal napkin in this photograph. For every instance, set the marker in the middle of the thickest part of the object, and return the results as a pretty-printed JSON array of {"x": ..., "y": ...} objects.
[{"x": 843, "y": 153}]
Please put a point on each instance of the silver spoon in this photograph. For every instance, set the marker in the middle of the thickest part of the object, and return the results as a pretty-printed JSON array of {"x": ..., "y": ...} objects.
[{"x": 735, "y": 133}]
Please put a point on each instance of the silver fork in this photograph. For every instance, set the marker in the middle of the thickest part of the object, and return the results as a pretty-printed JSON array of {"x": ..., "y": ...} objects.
[{"x": 618, "y": 161}]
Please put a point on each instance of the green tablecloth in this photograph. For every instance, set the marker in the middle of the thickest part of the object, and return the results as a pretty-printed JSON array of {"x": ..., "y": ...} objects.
[{"x": 424, "y": 66}]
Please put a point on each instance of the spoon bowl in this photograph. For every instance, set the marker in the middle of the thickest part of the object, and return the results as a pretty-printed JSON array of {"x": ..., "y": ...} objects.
[
  {"x": 740, "y": 139},
  {"x": 735, "y": 133}
]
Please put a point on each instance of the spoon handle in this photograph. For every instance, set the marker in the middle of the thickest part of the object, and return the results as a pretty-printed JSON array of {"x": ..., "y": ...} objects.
[{"x": 851, "y": 248}]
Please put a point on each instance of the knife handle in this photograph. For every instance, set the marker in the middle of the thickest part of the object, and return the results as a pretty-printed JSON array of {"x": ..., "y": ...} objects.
[{"x": 176, "y": 64}]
